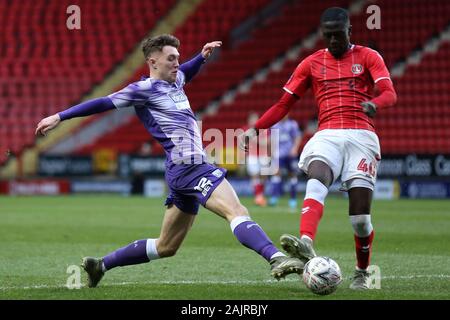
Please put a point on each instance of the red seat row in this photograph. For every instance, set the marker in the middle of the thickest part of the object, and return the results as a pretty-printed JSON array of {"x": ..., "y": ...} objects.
[{"x": 46, "y": 67}]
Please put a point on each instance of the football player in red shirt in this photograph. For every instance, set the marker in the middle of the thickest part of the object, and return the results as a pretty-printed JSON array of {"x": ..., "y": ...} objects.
[{"x": 343, "y": 77}]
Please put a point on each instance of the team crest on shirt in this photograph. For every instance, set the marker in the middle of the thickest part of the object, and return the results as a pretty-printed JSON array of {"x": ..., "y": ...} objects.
[
  {"x": 357, "y": 68},
  {"x": 217, "y": 173}
]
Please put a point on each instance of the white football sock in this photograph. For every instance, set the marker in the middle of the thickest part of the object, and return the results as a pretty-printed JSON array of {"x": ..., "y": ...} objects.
[
  {"x": 277, "y": 254},
  {"x": 237, "y": 221},
  {"x": 361, "y": 224},
  {"x": 316, "y": 190},
  {"x": 152, "y": 253}
]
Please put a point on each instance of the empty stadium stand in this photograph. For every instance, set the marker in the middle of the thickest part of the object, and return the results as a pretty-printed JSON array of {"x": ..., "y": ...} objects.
[
  {"x": 279, "y": 33},
  {"x": 46, "y": 67}
]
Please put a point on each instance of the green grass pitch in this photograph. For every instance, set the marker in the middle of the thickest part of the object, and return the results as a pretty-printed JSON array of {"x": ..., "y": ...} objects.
[{"x": 40, "y": 237}]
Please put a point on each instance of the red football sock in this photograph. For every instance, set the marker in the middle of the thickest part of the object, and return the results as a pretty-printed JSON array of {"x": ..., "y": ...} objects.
[
  {"x": 312, "y": 211},
  {"x": 259, "y": 189},
  {"x": 363, "y": 250}
]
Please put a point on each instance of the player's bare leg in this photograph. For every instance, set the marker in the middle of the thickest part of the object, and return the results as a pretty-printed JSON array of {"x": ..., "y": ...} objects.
[
  {"x": 359, "y": 210},
  {"x": 175, "y": 227},
  {"x": 320, "y": 178},
  {"x": 225, "y": 203}
]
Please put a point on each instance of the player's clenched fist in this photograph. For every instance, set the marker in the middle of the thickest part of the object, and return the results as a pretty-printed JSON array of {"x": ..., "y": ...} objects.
[
  {"x": 209, "y": 48},
  {"x": 47, "y": 124},
  {"x": 369, "y": 108},
  {"x": 244, "y": 139}
]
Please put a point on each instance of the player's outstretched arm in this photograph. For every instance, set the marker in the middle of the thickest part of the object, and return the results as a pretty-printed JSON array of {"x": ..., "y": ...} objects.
[
  {"x": 81, "y": 110},
  {"x": 275, "y": 113}
]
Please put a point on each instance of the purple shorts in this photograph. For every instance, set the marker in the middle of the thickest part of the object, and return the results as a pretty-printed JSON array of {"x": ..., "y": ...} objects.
[
  {"x": 192, "y": 184},
  {"x": 288, "y": 164}
]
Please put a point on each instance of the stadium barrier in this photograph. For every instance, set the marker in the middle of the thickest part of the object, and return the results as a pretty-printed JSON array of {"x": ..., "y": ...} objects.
[
  {"x": 406, "y": 176},
  {"x": 62, "y": 166},
  {"x": 35, "y": 187},
  {"x": 425, "y": 189},
  {"x": 391, "y": 166},
  {"x": 387, "y": 189},
  {"x": 384, "y": 189},
  {"x": 415, "y": 166}
]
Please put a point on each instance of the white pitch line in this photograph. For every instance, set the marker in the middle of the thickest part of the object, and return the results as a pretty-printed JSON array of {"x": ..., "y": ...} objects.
[
  {"x": 418, "y": 276},
  {"x": 248, "y": 282},
  {"x": 168, "y": 282}
]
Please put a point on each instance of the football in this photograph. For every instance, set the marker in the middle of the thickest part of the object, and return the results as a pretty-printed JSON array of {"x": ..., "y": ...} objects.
[{"x": 322, "y": 275}]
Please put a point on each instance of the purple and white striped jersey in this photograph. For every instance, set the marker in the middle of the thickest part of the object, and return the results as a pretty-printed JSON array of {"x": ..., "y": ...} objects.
[
  {"x": 165, "y": 111},
  {"x": 288, "y": 132}
]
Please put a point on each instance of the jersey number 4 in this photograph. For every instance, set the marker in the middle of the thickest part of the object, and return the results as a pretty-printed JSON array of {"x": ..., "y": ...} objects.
[{"x": 366, "y": 167}]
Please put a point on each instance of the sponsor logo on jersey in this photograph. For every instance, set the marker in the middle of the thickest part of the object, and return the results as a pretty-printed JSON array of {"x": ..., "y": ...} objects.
[
  {"x": 203, "y": 186},
  {"x": 180, "y": 100}
]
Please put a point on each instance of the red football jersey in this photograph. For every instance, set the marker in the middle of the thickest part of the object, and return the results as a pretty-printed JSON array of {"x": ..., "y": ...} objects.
[{"x": 340, "y": 85}]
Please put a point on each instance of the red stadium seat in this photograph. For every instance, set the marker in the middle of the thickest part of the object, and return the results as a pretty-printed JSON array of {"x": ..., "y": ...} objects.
[
  {"x": 58, "y": 67},
  {"x": 53, "y": 67}
]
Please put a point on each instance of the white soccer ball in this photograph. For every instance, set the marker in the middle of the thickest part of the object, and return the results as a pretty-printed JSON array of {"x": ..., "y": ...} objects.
[{"x": 322, "y": 275}]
